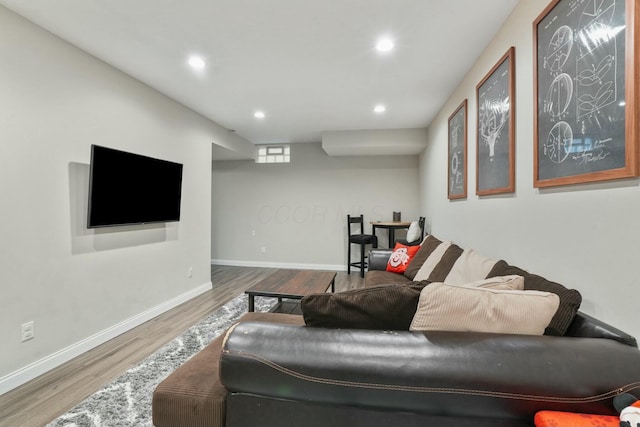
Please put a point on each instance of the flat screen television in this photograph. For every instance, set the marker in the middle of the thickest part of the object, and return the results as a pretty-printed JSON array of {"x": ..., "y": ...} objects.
[{"x": 127, "y": 189}]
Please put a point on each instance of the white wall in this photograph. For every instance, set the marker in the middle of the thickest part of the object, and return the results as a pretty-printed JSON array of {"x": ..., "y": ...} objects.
[
  {"x": 585, "y": 236},
  {"x": 78, "y": 285},
  {"x": 299, "y": 210}
]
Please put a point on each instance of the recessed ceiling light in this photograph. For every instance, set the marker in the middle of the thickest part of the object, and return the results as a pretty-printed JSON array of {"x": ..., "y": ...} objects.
[
  {"x": 379, "y": 109},
  {"x": 384, "y": 44},
  {"x": 259, "y": 115},
  {"x": 196, "y": 62}
]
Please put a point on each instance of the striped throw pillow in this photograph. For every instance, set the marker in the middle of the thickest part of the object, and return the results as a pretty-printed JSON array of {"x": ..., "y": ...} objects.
[{"x": 448, "y": 263}]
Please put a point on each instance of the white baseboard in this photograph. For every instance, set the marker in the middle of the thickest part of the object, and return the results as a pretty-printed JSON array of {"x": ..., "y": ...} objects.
[
  {"x": 299, "y": 266},
  {"x": 35, "y": 369}
]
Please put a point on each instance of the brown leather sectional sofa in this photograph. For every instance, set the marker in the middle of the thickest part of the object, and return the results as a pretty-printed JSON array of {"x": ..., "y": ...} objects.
[
  {"x": 282, "y": 375},
  {"x": 273, "y": 371}
]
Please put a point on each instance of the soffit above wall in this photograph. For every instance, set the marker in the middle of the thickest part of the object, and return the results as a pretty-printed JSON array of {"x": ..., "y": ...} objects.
[
  {"x": 387, "y": 142},
  {"x": 370, "y": 142}
]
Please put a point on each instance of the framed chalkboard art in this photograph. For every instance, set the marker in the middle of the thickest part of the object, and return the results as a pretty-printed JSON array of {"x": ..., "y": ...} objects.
[
  {"x": 585, "y": 92},
  {"x": 495, "y": 128},
  {"x": 457, "y": 181}
]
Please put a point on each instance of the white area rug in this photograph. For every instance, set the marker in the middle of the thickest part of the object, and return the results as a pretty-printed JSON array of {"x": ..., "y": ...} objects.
[{"x": 127, "y": 400}]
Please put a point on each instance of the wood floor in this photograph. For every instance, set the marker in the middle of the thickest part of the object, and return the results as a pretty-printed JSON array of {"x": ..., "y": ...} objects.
[{"x": 45, "y": 398}]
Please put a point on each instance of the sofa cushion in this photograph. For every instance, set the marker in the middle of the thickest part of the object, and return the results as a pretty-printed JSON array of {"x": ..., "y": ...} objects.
[
  {"x": 449, "y": 263},
  {"x": 470, "y": 266},
  {"x": 430, "y": 249},
  {"x": 429, "y": 244},
  {"x": 444, "y": 307},
  {"x": 383, "y": 277},
  {"x": 570, "y": 299},
  {"x": 387, "y": 307},
  {"x": 440, "y": 267},
  {"x": 400, "y": 257},
  {"x": 439, "y": 263}
]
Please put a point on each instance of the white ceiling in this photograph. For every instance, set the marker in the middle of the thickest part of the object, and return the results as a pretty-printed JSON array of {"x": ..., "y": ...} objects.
[{"x": 310, "y": 65}]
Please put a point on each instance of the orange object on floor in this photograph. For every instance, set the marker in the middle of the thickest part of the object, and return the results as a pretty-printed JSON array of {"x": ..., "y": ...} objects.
[{"x": 569, "y": 419}]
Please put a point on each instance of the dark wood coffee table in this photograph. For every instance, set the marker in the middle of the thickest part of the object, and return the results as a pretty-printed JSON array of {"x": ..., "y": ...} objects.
[{"x": 292, "y": 284}]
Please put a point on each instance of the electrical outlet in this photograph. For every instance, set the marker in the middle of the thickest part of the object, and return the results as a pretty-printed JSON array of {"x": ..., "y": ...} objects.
[
  {"x": 28, "y": 333},
  {"x": 190, "y": 272},
  {"x": 253, "y": 233},
  {"x": 263, "y": 249}
]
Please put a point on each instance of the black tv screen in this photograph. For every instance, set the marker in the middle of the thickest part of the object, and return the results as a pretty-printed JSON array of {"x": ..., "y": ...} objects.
[{"x": 127, "y": 188}]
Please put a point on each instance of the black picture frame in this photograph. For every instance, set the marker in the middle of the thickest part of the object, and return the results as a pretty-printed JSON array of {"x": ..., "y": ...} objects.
[
  {"x": 495, "y": 128},
  {"x": 585, "y": 92},
  {"x": 457, "y": 153}
]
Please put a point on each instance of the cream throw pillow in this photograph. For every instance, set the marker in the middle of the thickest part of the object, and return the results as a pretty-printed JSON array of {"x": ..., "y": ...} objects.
[
  {"x": 413, "y": 233},
  {"x": 444, "y": 307}
]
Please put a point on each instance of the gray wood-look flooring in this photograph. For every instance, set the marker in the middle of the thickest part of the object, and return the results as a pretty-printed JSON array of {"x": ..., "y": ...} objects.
[{"x": 45, "y": 398}]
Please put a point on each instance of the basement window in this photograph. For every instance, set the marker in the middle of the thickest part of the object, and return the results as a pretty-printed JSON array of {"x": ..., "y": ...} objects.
[{"x": 274, "y": 154}]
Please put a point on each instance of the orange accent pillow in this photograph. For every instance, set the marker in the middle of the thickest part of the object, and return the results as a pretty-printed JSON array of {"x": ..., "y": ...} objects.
[
  {"x": 400, "y": 258},
  {"x": 569, "y": 419}
]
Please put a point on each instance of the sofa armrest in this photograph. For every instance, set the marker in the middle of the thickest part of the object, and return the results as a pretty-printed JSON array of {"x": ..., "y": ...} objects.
[
  {"x": 461, "y": 373},
  {"x": 378, "y": 258},
  {"x": 587, "y": 326}
]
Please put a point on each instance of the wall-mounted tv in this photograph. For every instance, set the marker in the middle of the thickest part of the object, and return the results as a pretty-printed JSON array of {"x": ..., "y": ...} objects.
[{"x": 127, "y": 188}]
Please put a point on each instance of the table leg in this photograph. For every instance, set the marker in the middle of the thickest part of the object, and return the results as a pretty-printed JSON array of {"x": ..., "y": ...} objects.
[
  {"x": 251, "y": 302},
  {"x": 392, "y": 237}
]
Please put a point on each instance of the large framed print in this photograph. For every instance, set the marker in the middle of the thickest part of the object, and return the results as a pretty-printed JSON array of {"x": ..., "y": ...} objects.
[
  {"x": 495, "y": 129},
  {"x": 585, "y": 92},
  {"x": 457, "y": 182}
]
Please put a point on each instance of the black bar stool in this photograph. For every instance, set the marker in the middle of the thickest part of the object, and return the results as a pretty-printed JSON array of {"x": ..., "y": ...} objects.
[{"x": 359, "y": 239}]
